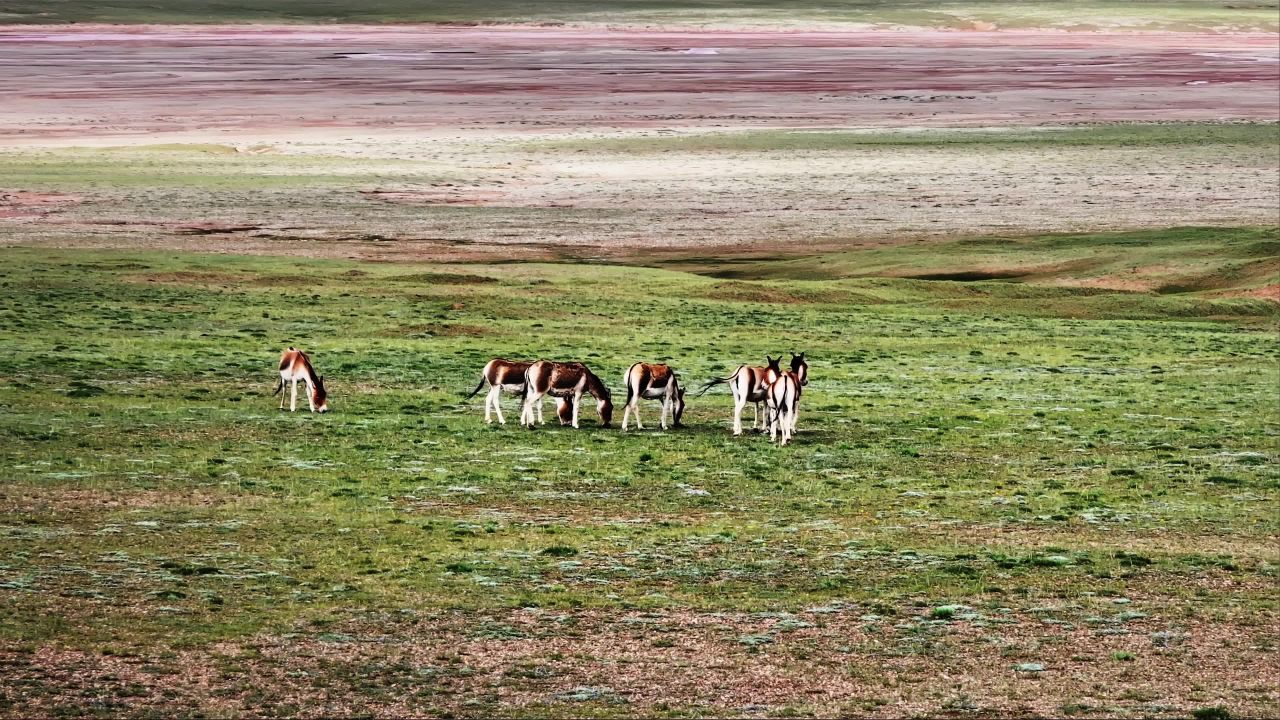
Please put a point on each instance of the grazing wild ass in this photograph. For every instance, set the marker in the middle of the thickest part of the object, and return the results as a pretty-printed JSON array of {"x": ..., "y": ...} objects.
[
  {"x": 748, "y": 384},
  {"x": 295, "y": 366},
  {"x": 783, "y": 401},
  {"x": 653, "y": 382},
  {"x": 502, "y": 376},
  {"x": 564, "y": 380}
]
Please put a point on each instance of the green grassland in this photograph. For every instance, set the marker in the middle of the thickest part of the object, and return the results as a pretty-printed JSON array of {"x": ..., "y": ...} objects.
[
  {"x": 1173, "y": 261},
  {"x": 971, "y": 453},
  {"x": 1262, "y": 137},
  {"x": 963, "y": 14}
]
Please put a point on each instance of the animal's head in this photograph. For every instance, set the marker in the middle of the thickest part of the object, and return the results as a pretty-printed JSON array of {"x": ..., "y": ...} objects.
[
  {"x": 772, "y": 372},
  {"x": 564, "y": 410},
  {"x": 679, "y": 407},
  {"x": 604, "y": 401},
  {"x": 319, "y": 395},
  {"x": 800, "y": 368},
  {"x": 604, "y": 406}
]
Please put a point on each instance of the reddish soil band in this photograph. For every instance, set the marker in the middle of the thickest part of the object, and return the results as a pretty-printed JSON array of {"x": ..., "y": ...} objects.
[{"x": 104, "y": 80}]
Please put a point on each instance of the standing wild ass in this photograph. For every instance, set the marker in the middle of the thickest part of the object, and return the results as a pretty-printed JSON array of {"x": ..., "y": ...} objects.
[
  {"x": 653, "y": 382},
  {"x": 503, "y": 376},
  {"x": 799, "y": 368},
  {"x": 748, "y": 384},
  {"x": 783, "y": 401}
]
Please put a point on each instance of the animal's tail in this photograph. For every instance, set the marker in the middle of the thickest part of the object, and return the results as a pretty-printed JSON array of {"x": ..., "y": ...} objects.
[
  {"x": 714, "y": 382},
  {"x": 477, "y": 390},
  {"x": 781, "y": 406},
  {"x": 279, "y": 387}
]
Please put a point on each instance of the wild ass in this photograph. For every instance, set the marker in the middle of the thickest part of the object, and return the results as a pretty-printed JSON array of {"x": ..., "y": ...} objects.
[
  {"x": 295, "y": 366},
  {"x": 783, "y": 401},
  {"x": 799, "y": 368},
  {"x": 564, "y": 380},
  {"x": 502, "y": 376},
  {"x": 748, "y": 384},
  {"x": 653, "y": 382}
]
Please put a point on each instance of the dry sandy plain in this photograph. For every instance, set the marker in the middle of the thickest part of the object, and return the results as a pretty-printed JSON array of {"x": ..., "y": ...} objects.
[{"x": 465, "y": 143}]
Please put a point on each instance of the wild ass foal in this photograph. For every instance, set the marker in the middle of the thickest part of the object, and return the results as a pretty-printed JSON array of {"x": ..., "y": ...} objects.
[
  {"x": 564, "y": 380},
  {"x": 502, "y": 376},
  {"x": 653, "y": 382},
  {"x": 295, "y": 366},
  {"x": 748, "y": 384}
]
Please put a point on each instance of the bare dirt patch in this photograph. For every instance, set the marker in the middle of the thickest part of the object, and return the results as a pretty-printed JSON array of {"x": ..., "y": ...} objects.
[
  {"x": 75, "y": 501},
  {"x": 831, "y": 661},
  {"x": 20, "y": 205},
  {"x": 443, "y": 196}
]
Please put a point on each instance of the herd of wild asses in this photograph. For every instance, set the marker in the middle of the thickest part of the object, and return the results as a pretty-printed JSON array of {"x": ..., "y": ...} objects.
[{"x": 776, "y": 389}]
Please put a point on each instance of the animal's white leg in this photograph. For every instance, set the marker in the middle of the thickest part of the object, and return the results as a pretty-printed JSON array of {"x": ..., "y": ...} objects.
[
  {"x": 311, "y": 395},
  {"x": 282, "y": 382},
  {"x": 539, "y": 409},
  {"x": 495, "y": 396},
  {"x": 526, "y": 411},
  {"x": 293, "y": 396},
  {"x": 662, "y": 414},
  {"x": 739, "y": 404},
  {"x": 635, "y": 401},
  {"x": 795, "y": 416},
  {"x": 577, "y": 402}
]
